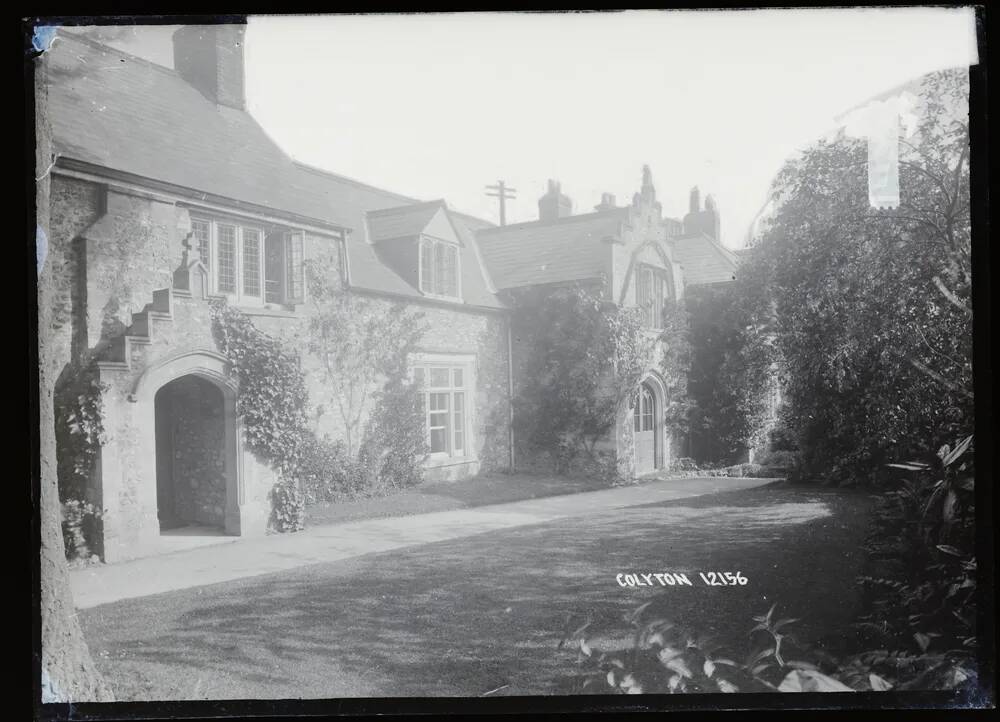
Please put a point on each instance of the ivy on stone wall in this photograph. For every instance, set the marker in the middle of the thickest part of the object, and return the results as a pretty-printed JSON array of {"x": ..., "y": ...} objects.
[
  {"x": 271, "y": 401},
  {"x": 583, "y": 360},
  {"x": 272, "y": 396},
  {"x": 80, "y": 433}
]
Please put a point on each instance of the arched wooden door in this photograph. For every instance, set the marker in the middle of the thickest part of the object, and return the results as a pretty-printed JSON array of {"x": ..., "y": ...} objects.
[{"x": 644, "y": 419}]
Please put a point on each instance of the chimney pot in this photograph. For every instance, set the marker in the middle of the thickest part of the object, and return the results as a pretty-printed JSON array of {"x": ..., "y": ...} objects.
[{"x": 607, "y": 202}]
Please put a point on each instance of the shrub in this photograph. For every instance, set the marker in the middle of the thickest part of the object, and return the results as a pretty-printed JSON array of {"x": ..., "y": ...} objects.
[
  {"x": 288, "y": 508},
  {"x": 666, "y": 658},
  {"x": 685, "y": 463},
  {"x": 80, "y": 527},
  {"x": 327, "y": 473},
  {"x": 921, "y": 585}
]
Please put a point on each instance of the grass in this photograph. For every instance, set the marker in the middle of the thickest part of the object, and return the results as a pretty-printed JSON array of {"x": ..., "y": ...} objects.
[
  {"x": 486, "y": 612},
  {"x": 481, "y": 490}
]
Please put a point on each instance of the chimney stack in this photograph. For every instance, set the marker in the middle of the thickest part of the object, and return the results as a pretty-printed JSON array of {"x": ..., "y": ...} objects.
[
  {"x": 210, "y": 57},
  {"x": 554, "y": 204},
  {"x": 695, "y": 204},
  {"x": 705, "y": 220},
  {"x": 607, "y": 202}
]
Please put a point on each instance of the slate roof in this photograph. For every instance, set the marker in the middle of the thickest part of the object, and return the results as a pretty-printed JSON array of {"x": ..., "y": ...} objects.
[
  {"x": 125, "y": 113},
  {"x": 115, "y": 110},
  {"x": 401, "y": 221},
  {"x": 567, "y": 249},
  {"x": 703, "y": 260}
]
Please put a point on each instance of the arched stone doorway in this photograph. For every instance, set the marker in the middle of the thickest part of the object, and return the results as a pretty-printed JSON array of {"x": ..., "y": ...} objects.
[
  {"x": 647, "y": 426},
  {"x": 191, "y": 459}
]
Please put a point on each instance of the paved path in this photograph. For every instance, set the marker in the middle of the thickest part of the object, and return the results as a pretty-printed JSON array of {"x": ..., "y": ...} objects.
[{"x": 197, "y": 567}]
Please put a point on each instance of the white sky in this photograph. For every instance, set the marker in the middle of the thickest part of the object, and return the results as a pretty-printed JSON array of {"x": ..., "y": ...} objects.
[{"x": 437, "y": 106}]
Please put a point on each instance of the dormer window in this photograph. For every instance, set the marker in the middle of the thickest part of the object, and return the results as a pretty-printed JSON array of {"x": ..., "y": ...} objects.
[
  {"x": 652, "y": 290},
  {"x": 439, "y": 268}
]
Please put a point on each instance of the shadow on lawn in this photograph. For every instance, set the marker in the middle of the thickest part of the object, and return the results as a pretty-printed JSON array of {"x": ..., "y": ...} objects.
[{"x": 468, "y": 616}]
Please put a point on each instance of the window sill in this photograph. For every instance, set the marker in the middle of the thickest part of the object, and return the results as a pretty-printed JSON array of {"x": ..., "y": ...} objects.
[
  {"x": 434, "y": 461},
  {"x": 275, "y": 311},
  {"x": 438, "y": 297}
]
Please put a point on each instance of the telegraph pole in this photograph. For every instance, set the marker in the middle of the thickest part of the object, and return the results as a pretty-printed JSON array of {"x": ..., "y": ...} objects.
[{"x": 505, "y": 194}]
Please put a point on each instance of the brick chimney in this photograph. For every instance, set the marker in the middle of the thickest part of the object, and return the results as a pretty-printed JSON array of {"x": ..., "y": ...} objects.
[
  {"x": 210, "y": 57},
  {"x": 694, "y": 206},
  {"x": 607, "y": 202},
  {"x": 703, "y": 220},
  {"x": 554, "y": 204}
]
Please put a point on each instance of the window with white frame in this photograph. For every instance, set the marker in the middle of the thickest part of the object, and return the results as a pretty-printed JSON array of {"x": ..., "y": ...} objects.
[
  {"x": 247, "y": 264},
  {"x": 439, "y": 268},
  {"x": 446, "y": 393}
]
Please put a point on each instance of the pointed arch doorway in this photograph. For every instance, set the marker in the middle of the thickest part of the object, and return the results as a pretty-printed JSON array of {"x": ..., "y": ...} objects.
[{"x": 647, "y": 423}]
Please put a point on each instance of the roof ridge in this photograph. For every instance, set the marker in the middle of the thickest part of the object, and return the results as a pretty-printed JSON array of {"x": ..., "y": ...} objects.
[
  {"x": 339, "y": 176},
  {"x": 83, "y": 39},
  {"x": 407, "y": 207},
  {"x": 557, "y": 221}
]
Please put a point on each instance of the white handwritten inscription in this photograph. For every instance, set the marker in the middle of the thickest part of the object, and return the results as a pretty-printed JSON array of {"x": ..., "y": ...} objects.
[{"x": 678, "y": 579}]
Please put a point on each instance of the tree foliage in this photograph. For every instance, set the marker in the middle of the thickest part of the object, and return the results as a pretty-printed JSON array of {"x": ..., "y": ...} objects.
[
  {"x": 870, "y": 310},
  {"x": 364, "y": 347},
  {"x": 730, "y": 374}
]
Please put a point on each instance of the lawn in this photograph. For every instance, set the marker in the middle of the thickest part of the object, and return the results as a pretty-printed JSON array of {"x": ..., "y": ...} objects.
[
  {"x": 481, "y": 490},
  {"x": 469, "y": 616}
]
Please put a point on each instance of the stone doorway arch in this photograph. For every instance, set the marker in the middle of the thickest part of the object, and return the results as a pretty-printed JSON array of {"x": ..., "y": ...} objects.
[
  {"x": 649, "y": 442},
  {"x": 128, "y": 466}
]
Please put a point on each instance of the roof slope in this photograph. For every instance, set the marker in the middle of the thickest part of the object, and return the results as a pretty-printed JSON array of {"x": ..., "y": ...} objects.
[
  {"x": 567, "y": 249},
  {"x": 117, "y": 111},
  {"x": 702, "y": 260},
  {"x": 121, "y": 112},
  {"x": 401, "y": 221}
]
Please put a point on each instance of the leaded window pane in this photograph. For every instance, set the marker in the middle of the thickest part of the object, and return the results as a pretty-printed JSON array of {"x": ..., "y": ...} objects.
[
  {"x": 251, "y": 262},
  {"x": 227, "y": 258}
]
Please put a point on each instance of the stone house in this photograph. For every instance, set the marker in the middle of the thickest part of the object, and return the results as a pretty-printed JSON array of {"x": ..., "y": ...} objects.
[
  {"x": 636, "y": 257},
  {"x": 166, "y": 194}
]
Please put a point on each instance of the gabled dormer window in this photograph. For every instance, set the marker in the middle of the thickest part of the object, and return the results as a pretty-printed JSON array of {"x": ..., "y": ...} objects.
[{"x": 439, "y": 268}]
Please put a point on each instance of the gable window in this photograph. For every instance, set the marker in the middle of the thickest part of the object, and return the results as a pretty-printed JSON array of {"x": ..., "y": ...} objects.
[
  {"x": 249, "y": 266},
  {"x": 652, "y": 291},
  {"x": 439, "y": 268},
  {"x": 445, "y": 392}
]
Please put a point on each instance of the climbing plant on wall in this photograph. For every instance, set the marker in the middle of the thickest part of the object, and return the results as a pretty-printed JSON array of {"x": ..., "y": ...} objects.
[
  {"x": 80, "y": 433},
  {"x": 272, "y": 399},
  {"x": 583, "y": 359},
  {"x": 363, "y": 347}
]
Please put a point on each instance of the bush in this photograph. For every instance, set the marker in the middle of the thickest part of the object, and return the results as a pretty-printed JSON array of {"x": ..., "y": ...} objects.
[
  {"x": 921, "y": 585},
  {"x": 685, "y": 463},
  {"x": 780, "y": 459},
  {"x": 666, "y": 658},
  {"x": 326, "y": 472},
  {"x": 81, "y": 527},
  {"x": 288, "y": 508}
]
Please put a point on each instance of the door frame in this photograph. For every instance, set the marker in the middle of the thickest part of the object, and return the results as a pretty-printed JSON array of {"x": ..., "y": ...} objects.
[{"x": 658, "y": 392}]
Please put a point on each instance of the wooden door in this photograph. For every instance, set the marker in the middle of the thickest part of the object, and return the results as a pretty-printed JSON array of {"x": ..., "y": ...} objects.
[{"x": 645, "y": 431}]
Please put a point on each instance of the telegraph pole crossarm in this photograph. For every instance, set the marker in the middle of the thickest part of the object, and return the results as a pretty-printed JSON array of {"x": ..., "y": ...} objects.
[{"x": 504, "y": 193}]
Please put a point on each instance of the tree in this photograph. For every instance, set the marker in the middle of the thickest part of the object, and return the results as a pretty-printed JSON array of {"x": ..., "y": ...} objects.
[
  {"x": 870, "y": 308},
  {"x": 68, "y": 671},
  {"x": 357, "y": 342}
]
